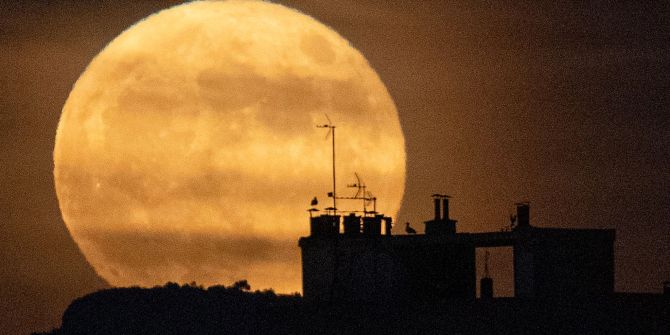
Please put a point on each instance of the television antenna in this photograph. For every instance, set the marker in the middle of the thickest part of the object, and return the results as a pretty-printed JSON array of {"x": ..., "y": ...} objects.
[
  {"x": 331, "y": 131},
  {"x": 363, "y": 194}
]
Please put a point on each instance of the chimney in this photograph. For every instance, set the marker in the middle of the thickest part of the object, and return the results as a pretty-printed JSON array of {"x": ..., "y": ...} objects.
[
  {"x": 445, "y": 208},
  {"x": 523, "y": 214},
  {"x": 437, "y": 208},
  {"x": 352, "y": 225},
  {"x": 388, "y": 225}
]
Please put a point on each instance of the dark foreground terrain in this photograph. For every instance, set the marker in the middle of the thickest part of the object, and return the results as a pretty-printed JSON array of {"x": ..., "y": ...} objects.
[{"x": 190, "y": 309}]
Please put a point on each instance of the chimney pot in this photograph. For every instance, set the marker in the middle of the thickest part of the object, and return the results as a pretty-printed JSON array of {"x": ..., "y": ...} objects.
[{"x": 445, "y": 208}]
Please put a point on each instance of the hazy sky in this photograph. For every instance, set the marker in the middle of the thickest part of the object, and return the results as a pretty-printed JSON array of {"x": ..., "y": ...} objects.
[{"x": 565, "y": 106}]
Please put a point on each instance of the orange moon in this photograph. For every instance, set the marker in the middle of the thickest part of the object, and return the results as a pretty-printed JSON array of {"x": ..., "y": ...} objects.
[{"x": 187, "y": 150}]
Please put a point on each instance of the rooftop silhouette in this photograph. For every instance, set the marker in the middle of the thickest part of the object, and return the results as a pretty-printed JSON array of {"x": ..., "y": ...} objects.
[
  {"x": 358, "y": 280},
  {"x": 349, "y": 258}
]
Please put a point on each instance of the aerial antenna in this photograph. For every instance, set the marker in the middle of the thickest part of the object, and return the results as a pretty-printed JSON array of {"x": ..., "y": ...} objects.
[
  {"x": 359, "y": 185},
  {"x": 363, "y": 194},
  {"x": 331, "y": 131}
]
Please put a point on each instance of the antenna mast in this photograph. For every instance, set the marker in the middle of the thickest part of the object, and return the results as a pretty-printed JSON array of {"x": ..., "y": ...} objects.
[{"x": 331, "y": 129}]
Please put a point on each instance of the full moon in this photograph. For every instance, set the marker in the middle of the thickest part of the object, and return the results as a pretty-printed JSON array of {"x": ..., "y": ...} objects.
[{"x": 188, "y": 148}]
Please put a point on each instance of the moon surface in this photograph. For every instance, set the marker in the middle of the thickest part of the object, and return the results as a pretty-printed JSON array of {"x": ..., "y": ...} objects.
[{"x": 187, "y": 150}]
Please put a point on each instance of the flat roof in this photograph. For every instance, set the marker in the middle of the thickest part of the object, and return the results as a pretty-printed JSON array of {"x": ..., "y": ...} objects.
[{"x": 480, "y": 240}]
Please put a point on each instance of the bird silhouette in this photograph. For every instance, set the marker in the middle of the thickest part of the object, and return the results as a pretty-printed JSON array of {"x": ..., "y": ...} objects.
[
  {"x": 408, "y": 229},
  {"x": 314, "y": 202}
]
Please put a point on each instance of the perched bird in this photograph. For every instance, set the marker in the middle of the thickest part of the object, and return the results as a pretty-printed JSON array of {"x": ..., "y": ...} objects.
[
  {"x": 314, "y": 202},
  {"x": 408, "y": 229}
]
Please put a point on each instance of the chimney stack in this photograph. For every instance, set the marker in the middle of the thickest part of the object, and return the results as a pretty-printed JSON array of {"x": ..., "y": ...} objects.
[
  {"x": 445, "y": 208},
  {"x": 523, "y": 214},
  {"x": 388, "y": 225},
  {"x": 441, "y": 224}
]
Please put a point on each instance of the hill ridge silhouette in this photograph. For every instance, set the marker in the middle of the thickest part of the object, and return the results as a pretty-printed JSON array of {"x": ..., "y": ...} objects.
[{"x": 235, "y": 309}]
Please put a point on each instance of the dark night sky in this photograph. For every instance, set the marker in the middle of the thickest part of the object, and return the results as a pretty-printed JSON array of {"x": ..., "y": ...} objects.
[{"x": 562, "y": 105}]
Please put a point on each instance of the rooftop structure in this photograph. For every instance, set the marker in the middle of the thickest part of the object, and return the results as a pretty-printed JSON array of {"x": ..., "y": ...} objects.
[{"x": 352, "y": 258}]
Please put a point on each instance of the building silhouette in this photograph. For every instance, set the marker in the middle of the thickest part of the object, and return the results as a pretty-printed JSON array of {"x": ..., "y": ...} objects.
[
  {"x": 356, "y": 258},
  {"x": 359, "y": 278}
]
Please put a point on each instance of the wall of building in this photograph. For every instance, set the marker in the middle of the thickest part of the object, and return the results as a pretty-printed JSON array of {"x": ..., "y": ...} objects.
[
  {"x": 387, "y": 269},
  {"x": 365, "y": 266},
  {"x": 318, "y": 264},
  {"x": 554, "y": 263}
]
